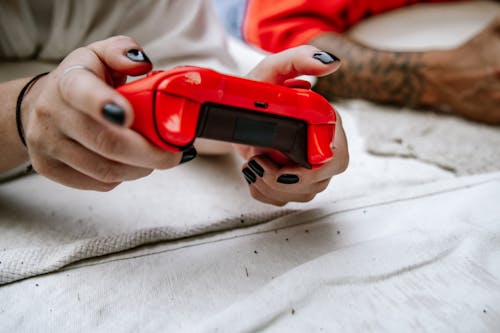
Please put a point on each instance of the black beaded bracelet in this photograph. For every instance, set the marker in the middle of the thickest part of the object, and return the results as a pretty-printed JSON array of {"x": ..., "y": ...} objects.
[{"x": 20, "y": 97}]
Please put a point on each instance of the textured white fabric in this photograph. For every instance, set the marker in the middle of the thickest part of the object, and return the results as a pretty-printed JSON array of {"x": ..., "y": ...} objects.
[
  {"x": 403, "y": 267},
  {"x": 449, "y": 142},
  {"x": 45, "y": 226},
  {"x": 424, "y": 258}
]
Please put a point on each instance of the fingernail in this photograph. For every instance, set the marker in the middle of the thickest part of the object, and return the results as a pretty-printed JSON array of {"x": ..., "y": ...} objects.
[
  {"x": 188, "y": 155},
  {"x": 137, "y": 56},
  {"x": 325, "y": 57},
  {"x": 288, "y": 179},
  {"x": 256, "y": 168},
  {"x": 249, "y": 175},
  {"x": 114, "y": 114}
]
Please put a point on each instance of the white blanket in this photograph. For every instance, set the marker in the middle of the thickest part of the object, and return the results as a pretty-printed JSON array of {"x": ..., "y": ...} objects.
[{"x": 423, "y": 258}]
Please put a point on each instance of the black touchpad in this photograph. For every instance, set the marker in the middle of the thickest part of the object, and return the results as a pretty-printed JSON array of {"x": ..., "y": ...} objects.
[
  {"x": 254, "y": 132},
  {"x": 288, "y": 135}
]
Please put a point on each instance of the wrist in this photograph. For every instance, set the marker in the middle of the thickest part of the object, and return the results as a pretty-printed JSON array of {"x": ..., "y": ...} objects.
[
  {"x": 12, "y": 151},
  {"x": 25, "y": 102},
  {"x": 433, "y": 63}
]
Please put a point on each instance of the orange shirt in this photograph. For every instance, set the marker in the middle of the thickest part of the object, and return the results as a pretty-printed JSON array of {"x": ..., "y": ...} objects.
[{"x": 275, "y": 25}]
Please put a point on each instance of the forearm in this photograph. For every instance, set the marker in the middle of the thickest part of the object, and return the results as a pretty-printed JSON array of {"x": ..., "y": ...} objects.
[
  {"x": 12, "y": 152},
  {"x": 376, "y": 75}
]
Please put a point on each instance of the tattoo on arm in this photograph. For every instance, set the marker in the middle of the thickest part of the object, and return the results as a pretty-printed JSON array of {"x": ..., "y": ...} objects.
[{"x": 368, "y": 73}]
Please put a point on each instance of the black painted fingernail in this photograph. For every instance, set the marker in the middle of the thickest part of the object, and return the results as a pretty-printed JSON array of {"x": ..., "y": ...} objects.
[
  {"x": 288, "y": 179},
  {"x": 137, "y": 55},
  {"x": 249, "y": 175},
  {"x": 188, "y": 155},
  {"x": 325, "y": 57},
  {"x": 114, "y": 114},
  {"x": 256, "y": 168}
]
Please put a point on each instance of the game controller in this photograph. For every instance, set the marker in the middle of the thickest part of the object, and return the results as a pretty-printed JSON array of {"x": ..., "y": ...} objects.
[{"x": 174, "y": 107}]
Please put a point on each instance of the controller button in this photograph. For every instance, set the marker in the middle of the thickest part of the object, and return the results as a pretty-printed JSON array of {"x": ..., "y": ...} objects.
[{"x": 262, "y": 105}]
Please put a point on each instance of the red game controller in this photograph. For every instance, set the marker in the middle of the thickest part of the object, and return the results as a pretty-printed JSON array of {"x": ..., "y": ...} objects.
[{"x": 174, "y": 107}]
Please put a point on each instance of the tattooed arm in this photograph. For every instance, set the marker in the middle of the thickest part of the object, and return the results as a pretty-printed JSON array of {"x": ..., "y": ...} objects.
[
  {"x": 376, "y": 75},
  {"x": 464, "y": 80}
]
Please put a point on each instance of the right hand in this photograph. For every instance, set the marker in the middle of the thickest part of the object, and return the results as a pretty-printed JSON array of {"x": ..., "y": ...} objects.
[
  {"x": 276, "y": 184},
  {"x": 466, "y": 80},
  {"x": 70, "y": 138}
]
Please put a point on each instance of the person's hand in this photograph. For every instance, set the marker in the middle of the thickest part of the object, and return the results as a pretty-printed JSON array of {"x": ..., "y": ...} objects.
[
  {"x": 275, "y": 184},
  {"x": 466, "y": 80},
  {"x": 77, "y": 126}
]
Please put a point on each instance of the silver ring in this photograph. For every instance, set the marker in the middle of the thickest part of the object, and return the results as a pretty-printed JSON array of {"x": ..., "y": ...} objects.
[
  {"x": 77, "y": 67},
  {"x": 61, "y": 86}
]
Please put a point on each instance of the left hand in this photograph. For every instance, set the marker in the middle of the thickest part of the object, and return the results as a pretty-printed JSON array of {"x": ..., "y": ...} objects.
[
  {"x": 466, "y": 80},
  {"x": 275, "y": 184}
]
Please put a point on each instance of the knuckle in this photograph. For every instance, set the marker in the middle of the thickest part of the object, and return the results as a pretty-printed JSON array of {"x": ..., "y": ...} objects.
[
  {"x": 108, "y": 173},
  {"x": 106, "y": 187},
  {"x": 42, "y": 111},
  {"x": 256, "y": 194},
  {"x": 306, "y": 49},
  {"x": 322, "y": 186},
  {"x": 36, "y": 129},
  {"x": 42, "y": 166},
  {"x": 344, "y": 164},
  {"x": 306, "y": 197},
  {"x": 265, "y": 199},
  {"x": 167, "y": 161},
  {"x": 33, "y": 139},
  {"x": 107, "y": 142},
  {"x": 67, "y": 84},
  {"x": 122, "y": 38},
  {"x": 53, "y": 150},
  {"x": 147, "y": 172},
  {"x": 274, "y": 202}
]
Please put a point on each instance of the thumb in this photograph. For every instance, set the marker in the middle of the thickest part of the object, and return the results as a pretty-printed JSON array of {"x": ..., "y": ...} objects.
[
  {"x": 121, "y": 56},
  {"x": 288, "y": 64},
  {"x": 102, "y": 66}
]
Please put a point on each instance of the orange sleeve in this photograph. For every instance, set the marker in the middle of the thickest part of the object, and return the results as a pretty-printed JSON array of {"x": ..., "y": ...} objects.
[{"x": 277, "y": 25}]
